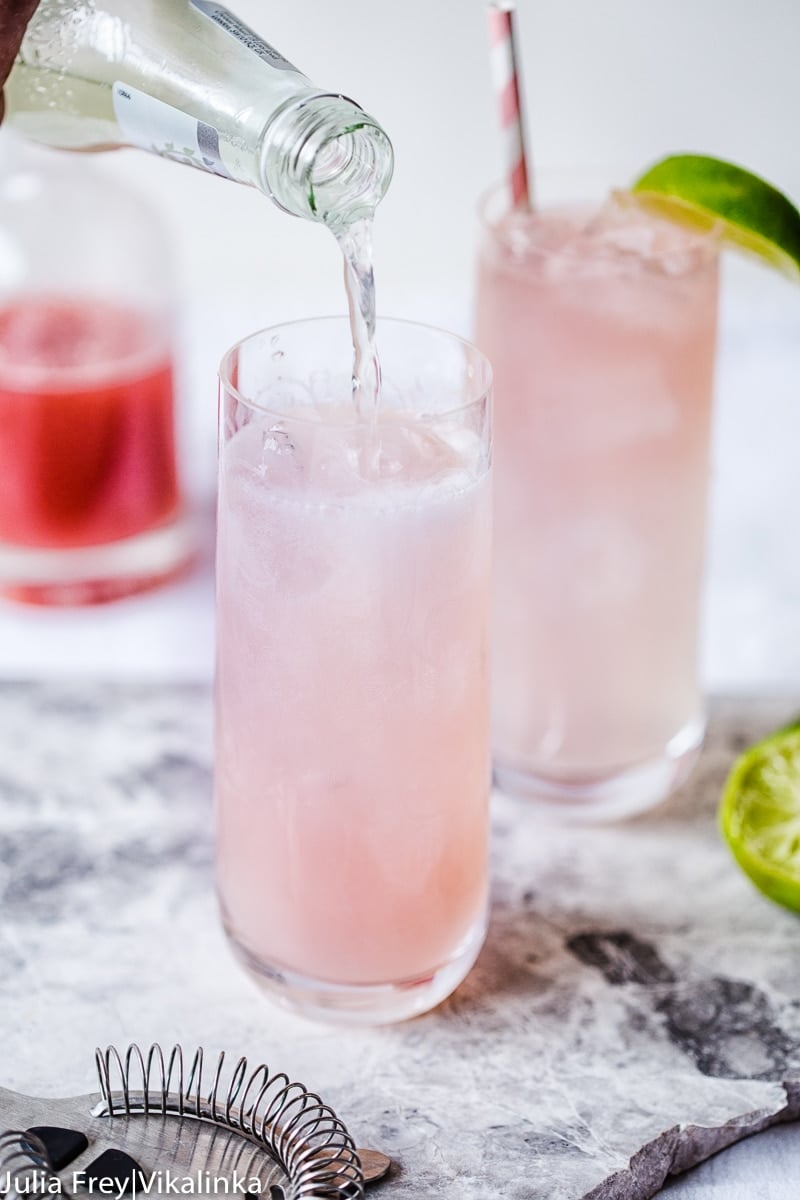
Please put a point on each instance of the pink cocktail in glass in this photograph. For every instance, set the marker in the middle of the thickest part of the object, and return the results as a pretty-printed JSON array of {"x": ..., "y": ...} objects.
[
  {"x": 352, "y": 767},
  {"x": 601, "y": 328}
]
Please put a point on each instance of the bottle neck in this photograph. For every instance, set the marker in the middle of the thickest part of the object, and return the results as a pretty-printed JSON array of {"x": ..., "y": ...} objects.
[{"x": 322, "y": 157}]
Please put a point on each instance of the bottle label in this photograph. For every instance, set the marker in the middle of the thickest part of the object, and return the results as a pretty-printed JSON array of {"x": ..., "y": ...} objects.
[
  {"x": 236, "y": 28},
  {"x": 167, "y": 131}
]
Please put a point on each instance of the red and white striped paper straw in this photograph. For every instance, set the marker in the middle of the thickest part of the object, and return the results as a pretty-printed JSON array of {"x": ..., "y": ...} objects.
[{"x": 506, "y": 78}]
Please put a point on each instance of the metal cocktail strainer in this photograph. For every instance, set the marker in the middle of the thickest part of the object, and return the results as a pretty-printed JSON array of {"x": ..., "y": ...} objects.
[{"x": 157, "y": 1127}]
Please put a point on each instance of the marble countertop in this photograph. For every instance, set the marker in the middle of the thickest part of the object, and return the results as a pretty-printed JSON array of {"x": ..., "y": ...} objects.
[{"x": 637, "y": 1004}]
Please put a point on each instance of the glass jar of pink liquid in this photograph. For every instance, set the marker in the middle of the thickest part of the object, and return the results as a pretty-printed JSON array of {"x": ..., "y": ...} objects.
[{"x": 91, "y": 507}]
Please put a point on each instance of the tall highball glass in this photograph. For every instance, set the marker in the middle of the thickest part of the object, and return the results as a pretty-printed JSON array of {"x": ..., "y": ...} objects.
[{"x": 352, "y": 751}]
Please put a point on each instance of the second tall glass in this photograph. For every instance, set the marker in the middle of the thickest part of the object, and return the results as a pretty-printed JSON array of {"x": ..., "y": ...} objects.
[{"x": 600, "y": 325}]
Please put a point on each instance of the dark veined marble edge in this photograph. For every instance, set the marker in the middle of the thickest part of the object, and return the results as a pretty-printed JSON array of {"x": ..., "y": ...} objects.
[{"x": 681, "y": 1148}]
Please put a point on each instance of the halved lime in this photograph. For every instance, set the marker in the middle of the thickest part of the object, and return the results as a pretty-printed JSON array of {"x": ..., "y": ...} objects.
[
  {"x": 750, "y": 213},
  {"x": 760, "y": 815}
]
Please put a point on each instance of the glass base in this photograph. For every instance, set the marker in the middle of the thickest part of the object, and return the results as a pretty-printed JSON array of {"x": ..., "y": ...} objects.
[
  {"x": 610, "y": 796},
  {"x": 362, "y": 1004},
  {"x": 97, "y": 574}
]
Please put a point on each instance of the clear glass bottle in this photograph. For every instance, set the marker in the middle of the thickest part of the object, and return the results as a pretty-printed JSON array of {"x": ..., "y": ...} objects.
[{"x": 188, "y": 80}]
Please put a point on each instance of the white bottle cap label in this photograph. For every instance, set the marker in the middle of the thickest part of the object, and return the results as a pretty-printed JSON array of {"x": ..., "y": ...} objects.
[{"x": 228, "y": 21}]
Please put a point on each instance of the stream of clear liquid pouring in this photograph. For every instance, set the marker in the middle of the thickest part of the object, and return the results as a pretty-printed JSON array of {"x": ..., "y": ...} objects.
[{"x": 355, "y": 241}]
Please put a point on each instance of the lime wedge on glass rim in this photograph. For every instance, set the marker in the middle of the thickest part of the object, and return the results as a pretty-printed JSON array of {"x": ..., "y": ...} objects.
[
  {"x": 759, "y": 815},
  {"x": 707, "y": 193}
]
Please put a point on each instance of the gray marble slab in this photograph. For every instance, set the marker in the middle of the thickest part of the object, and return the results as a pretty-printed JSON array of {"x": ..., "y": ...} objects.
[{"x": 636, "y": 1007}]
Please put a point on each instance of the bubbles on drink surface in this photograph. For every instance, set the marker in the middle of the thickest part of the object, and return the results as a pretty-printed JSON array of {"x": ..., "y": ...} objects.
[
  {"x": 578, "y": 240},
  {"x": 341, "y": 459}
]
